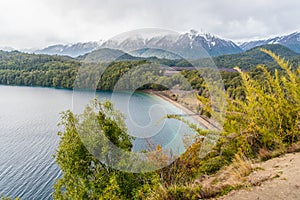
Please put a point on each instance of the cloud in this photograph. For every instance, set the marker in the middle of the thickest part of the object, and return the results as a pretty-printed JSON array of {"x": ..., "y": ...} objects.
[{"x": 38, "y": 23}]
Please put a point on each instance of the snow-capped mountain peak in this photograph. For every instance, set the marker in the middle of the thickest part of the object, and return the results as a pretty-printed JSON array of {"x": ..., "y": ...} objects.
[
  {"x": 292, "y": 41},
  {"x": 194, "y": 33},
  {"x": 7, "y": 49},
  {"x": 190, "y": 45},
  {"x": 73, "y": 50}
]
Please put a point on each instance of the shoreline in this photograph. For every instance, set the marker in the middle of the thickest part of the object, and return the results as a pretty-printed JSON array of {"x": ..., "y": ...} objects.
[{"x": 202, "y": 121}]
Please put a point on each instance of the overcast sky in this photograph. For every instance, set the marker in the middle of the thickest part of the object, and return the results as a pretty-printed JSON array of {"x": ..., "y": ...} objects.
[{"x": 39, "y": 23}]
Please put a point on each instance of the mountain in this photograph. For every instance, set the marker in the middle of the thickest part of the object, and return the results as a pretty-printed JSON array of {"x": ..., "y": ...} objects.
[
  {"x": 72, "y": 50},
  {"x": 251, "y": 58},
  {"x": 292, "y": 41},
  {"x": 190, "y": 45},
  {"x": 106, "y": 55},
  {"x": 7, "y": 49},
  {"x": 158, "y": 53}
]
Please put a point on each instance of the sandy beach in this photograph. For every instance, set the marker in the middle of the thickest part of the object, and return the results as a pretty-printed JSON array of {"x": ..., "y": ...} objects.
[{"x": 201, "y": 119}]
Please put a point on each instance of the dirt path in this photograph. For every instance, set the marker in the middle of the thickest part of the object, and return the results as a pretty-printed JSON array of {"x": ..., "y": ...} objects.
[{"x": 283, "y": 181}]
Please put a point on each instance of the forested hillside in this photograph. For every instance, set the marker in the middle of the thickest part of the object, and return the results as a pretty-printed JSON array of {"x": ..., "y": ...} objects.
[
  {"x": 18, "y": 68},
  {"x": 23, "y": 69},
  {"x": 251, "y": 58}
]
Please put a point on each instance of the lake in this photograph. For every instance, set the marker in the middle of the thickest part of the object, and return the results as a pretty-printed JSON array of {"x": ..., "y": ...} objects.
[{"x": 28, "y": 132}]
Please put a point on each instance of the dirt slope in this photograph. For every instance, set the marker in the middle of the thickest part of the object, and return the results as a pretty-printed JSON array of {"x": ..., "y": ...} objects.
[{"x": 282, "y": 177}]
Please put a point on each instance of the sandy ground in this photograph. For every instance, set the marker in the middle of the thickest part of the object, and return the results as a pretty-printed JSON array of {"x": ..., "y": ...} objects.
[
  {"x": 278, "y": 178},
  {"x": 201, "y": 119}
]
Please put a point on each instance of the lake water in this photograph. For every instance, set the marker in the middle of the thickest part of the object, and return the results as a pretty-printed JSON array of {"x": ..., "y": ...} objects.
[{"x": 28, "y": 132}]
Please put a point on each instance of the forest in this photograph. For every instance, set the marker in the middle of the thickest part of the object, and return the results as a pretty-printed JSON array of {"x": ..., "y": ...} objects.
[{"x": 24, "y": 69}]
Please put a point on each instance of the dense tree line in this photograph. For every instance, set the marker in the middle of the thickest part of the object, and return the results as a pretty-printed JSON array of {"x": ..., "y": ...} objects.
[
  {"x": 37, "y": 70},
  {"x": 18, "y": 68}
]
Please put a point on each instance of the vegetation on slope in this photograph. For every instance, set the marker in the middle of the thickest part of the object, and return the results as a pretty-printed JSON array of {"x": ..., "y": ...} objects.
[
  {"x": 37, "y": 70},
  {"x": 253, "y": 57},
  {"x": 18, "y": 68},
  {"x": 23, "y": 69},
  {"x": 263, "y": 124}
]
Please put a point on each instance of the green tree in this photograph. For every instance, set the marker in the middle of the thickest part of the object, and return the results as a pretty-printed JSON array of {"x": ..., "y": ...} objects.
[{"x": 85, "y": 176}]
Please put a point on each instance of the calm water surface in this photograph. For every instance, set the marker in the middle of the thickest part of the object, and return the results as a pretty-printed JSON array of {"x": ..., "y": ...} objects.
[{"x": 28, "y": 133}]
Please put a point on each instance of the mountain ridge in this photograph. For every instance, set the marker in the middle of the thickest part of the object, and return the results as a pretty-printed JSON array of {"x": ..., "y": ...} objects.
[
  {"x": 292, "y": 41},
  {"x": 253, "y": 57},
  {"x": 189, "y": 45},
  {"x": 73, "y": 50}
]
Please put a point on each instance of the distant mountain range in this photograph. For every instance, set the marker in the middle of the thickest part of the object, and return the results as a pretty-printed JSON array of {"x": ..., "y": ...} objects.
[
  {"x": 72, "y": 50},
  {"x": 190, "y": 45},
  {"x": 292, "y": 41},
  {"x": 7, "y": 49},
  {"x": 245, "y": 60}
]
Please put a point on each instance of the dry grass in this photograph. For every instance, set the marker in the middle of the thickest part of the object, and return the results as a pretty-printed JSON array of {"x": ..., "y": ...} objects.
[
  {"x": 233, "y": 177},
  {"x": 295, "y": 147},
  {"x": 240, "y": 167},
  {"x": 229, "y": 178},
  {"x": 264, "y": 154}
]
